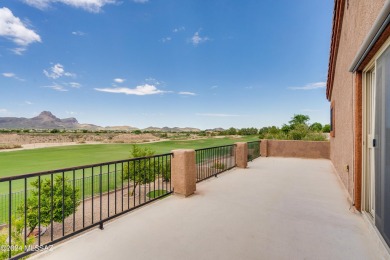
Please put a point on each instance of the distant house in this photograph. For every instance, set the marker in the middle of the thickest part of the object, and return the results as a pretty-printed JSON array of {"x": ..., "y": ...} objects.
[{"x": 358, "y": 89}]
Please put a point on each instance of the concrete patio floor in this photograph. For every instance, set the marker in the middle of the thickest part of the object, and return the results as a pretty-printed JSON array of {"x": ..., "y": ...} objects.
[{"x": 277, "y": 208}]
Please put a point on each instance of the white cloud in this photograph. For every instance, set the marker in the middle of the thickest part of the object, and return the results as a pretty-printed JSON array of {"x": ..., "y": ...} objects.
[
  {"x": 8, "y": 74},
  {"x": 197, "y": 39},
  {"x": 78, "y": 33},
  {"x": 119, "y": 80},
  {"x": 152, "y": 81},
  {"x": 56, "y": 87},
  {"x": 11, "y": 75},
  {"x": 179, "y": 29},
  {"x": 93, "y": 6},
  {"x": 12, "y": 28},
  {"x": 140, "y": 1},
  {"x": 57, "y": 71},
  {"x": 187, "y": 93},
  {"x": 141, "y": 90},
  {"x": 166, "y": 39},
  {"x": 71, "y": 113},
  {"x": 216, "y": 115},
  {"x": 310, "y": 86},
  {"x": 74, "y": 84},
  {"x": 28, "y": 102}
]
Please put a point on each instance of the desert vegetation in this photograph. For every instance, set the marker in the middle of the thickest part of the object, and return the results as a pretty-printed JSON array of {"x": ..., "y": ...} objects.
[{"x": 298, "y": 128}]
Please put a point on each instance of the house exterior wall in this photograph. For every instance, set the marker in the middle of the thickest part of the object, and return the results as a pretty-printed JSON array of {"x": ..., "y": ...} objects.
[{"x": 358, "y": 18}]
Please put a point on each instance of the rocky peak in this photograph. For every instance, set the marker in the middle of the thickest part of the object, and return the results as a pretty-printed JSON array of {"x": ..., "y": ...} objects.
[
  {"x": 70, "y": 120},
  {"x": 46, "y": 116}
]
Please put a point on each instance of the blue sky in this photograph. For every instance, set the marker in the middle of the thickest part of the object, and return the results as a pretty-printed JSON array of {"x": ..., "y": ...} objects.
[{"x": 143, "y": 63}]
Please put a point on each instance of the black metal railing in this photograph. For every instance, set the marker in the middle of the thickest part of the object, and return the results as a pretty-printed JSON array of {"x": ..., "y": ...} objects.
[
  {"x": 253, "y": 150},
  {"x": 214, "y": 160},
  {"x": 43, "y": 208}
]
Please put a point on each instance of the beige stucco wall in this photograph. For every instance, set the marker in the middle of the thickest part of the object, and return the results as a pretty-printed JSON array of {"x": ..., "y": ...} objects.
[
  {"x": 358, "y": 20},
  {"x": 299, "y": 149}
]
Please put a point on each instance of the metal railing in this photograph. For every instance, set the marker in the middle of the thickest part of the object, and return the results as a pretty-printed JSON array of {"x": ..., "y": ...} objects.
[
  {"x": 54, "y": 205},
  {"x": 214, "y": 160},
  {"x": 253, "y": 150},
  {"x": 18, "y": 196}
]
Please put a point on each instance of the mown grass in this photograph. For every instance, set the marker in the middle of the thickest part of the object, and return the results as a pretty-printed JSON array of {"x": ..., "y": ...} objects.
[
  {"x": 44, "y": 159},
  {"x": 156, "y": 193}
]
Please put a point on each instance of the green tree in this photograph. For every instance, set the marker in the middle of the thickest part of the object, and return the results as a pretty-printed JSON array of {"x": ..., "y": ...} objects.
[
  {"x": 248, "y": 131},
  {"x": 64, "y": 202},
  {"x": 17, "y": 238},
  {"x": 299, "y": 132},
  {"x": 285, "y": 128},
  {"x": 231, "y": 131},
  {"x": 262, "y": 132},
  {"x": 144, "y": 171},
  {"x": 299, "y": 119},
  {"x": 326, "y": 128},
  {"x": 316, "y": 127}
]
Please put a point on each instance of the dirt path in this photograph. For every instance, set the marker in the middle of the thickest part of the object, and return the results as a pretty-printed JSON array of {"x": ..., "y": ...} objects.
[{"x": 44, "y": 145}]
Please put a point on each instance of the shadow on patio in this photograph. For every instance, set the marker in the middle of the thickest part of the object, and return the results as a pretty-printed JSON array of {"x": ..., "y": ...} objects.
[{"x": 277, "y": 208}]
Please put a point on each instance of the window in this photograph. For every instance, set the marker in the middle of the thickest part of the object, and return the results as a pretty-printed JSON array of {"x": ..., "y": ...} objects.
[{"x": 332, "y": 120}]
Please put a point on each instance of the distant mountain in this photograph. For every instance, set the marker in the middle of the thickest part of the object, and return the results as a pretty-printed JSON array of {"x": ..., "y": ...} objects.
[
  {"x": 218, "y": 129},
  {"x": 120, "y": 128},
  {"x": 172, "y": 129},
  {"x": 46, "y": 120}
]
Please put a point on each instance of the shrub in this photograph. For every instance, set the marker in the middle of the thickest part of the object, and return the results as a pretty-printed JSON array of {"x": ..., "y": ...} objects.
[
  {"x": 326, "y": 128},
  {"x": 315, "y": 137},
  {"x": 17, "y": 238},
  {"x": 64, "y": 202},
  {"x": 316, "y": 127},
  {"x": 299, "y": 132},
  {"x": 219, "y": 165}
]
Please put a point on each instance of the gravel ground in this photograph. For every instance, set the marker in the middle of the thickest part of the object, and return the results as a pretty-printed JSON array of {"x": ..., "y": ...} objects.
[{"x": 107, "y": 209}]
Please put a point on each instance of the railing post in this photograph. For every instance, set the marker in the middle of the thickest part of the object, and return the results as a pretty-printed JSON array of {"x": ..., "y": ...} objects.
[
  {"x": 264, "y": 148},
  {"x": 242, "y": 154},
  {"x": 184, "y": 172}
]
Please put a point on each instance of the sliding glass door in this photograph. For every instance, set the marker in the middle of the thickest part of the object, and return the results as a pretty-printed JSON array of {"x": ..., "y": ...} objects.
[{"x": 381, "y": 144}]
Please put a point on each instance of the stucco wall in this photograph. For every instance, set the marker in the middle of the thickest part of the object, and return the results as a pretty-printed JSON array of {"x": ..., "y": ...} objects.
[
  {"x": 300, "y": 149},
  {"x": 359, "y": 16}
]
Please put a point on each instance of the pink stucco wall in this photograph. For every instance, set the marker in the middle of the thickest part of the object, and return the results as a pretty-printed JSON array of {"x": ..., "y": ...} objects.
[
  {"x": 292, "y": 148},
  {"x": 359, "y": 16}
]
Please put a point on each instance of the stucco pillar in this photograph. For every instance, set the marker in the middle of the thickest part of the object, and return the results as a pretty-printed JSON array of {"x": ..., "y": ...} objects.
[
  {"x": 242, "y": 154},
  {"x": 184, "y": 172},
  {"x": 264, "y": 148}
]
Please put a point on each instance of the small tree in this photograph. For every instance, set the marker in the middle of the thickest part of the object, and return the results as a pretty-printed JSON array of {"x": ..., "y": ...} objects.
[
  {"x": 316, "y": 127},
  {"x": 64, "y": 202},
  {"x": 299, "y": 120},
  {"x": 299, "y": 132},
  {"x": 285, "y": 128},
  {"x": 231, "y": 131},
  {"x": 326, "y": 128},
  {"x": 140, "y": 171},
  {"x": 17, "y": 238}
]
